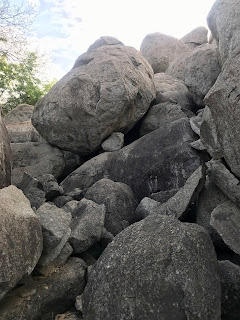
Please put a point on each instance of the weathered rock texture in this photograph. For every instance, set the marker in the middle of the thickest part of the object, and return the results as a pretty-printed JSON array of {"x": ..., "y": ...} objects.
[
  {"x": 173, "y": 90},
  {"x": 196, "y": 37},
  {"x": 20, "y": 238},
  {"x": 160, "y": 50},
  {"x": 109, "y": 89},
  {"x": 5, "y": 156},
  {"x": 119, "y": 201},
  {"x": 198, "y": 69},
  {"x": 46, "y": 296},
  {"x": 158, "y": 268},
  {"x": 223, "y": 21},
  {"x": 159, "y": 161}
]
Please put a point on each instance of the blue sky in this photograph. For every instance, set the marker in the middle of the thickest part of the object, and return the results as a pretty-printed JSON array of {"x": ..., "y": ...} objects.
[{"x": 66, "y": 28}]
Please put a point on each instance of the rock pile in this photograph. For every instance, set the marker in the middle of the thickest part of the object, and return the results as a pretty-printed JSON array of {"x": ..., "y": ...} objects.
[{"x": 129, "y": 173}]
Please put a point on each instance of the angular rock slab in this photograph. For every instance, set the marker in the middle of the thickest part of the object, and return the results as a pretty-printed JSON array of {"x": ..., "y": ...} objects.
[
  {"x": 159, "y": 161},
  {"x": 109, "y": 89},
  {"x": 225, "y": 219},
  {"x": 160, "y": 50},
  {"x": 198, "y": 69},
  {"x": 20, "y": 238},
  {"x": 46, "y": 296},
  {"x": 5, "y": 156},
  {"x": 119, "y": 201},
  {"x": 158, "y": 268},
  {"x": 223, "y": 21},
  {"x": 223, "y": 100}
]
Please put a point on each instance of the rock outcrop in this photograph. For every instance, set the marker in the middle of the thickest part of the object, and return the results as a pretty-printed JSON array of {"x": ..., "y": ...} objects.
[{"x": 109, "y": 89}]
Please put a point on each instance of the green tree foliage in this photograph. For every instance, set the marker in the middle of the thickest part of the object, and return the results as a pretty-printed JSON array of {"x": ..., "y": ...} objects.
[
  {"x": 19, "y": 82},
  {"x": 19, "y": 69}
]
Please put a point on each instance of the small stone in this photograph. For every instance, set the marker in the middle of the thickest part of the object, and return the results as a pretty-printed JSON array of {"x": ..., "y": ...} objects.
[{"x": 114, "y": 142}]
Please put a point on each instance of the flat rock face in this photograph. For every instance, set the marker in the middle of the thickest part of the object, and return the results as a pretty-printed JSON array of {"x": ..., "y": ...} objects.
[
  {"x": 223, "y": 101},
  {"x": 173, "y": 90},
  {"x": 20, "y": 238},
  {"x": 223, "y": 21},
  {"x": 198, "y": 69},
  {"x": 119, "y": 201},
  {"x": 159, "y": 161},
  {"x": 21, "y": 113},
  {"x": 5, "y": 156},
  {"x": 109, "y": 89},
  {"x": 160, "y": 50},
  {"x": 158, "y": 268}
]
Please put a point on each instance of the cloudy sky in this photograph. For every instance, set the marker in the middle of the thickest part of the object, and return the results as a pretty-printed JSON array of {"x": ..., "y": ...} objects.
[{"x": 66, "y": 28}]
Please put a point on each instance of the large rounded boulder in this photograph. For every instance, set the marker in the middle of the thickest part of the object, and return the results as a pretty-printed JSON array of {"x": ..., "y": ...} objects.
[
  {"x": 158, "y": 268},
  {"x": 160, "y": 50},
  {"x": 109, "y": 89}
]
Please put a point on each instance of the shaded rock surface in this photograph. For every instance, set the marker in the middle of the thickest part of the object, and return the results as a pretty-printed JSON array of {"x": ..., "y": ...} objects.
[
  {"x": 87, "y": 225},
  {"x": 57, "y": 290},
  {"x": 20, "y": 238},
  {"x": 230, "y": 282},
  {"x": 198, "y": 69},
  {"x": 114, "y": 142},
  {"x": 109, "y": 89},
  {"x": 177, "y": 205},
  {"x": 119, "y": 201},
  {"x": 162, "y": 114},
  {"x": 158, "y": 252},
  {"x": 223, "y": 100},
  {"x": 161, "y": 160},
  {"x": 160, "y": 50},
  {"x": 5, "y": 156}
]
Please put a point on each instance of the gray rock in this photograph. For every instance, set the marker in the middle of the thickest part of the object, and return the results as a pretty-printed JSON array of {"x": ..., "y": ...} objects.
[
  {"x": 223, "y": 100},
  {"x": 87, "y": 226},
  {"x": 160, "y": 50},
  {"x": 225, "y": 27},
  {"x": 196, "y": 37},
  {"x": 177, "y": 205},
  {"x": 230, "y": 282},
  {"x": 5, "y": 156},
  {"x": 62, "y": 200},
  {"x": 173, "y": 90},
  {"x": 35, "y": 158},
  {"x": 158, "y": 268},
  {"x": 109, "y": 89},
  {"x": 69, "y": 315},
  {"x": 46, "y": 296},
  {"x": 56, "y": 231},
  {"x": 163, "y": 196},
  {"x": 209, "y": 198},
  {"x": 22, "y": 113},
  {"x": 162, "y": 114},
  {"x": 224, "y": 179},
  {"x": 50, "y": 186},
  {"x": 119, "y": 201},
  {"x": 144, "y": 164},
  {"x": 72, "y": 207},
  {"x": 33, "y": 190},
  {"x": 225, "y": 219},
  {"x": 114, "y": 142},
  {"x": 76, "y": 194},
  {"x": 104, "y": 41},
  {"x": 23, "y": 132},
  {"x": 20, "y": 238},
  {"x": 198, "y": 145},
  {"x": 208, "y": 134},
  {"x": 198, "y": 69},
  {"x": 196, "y": 122}
]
